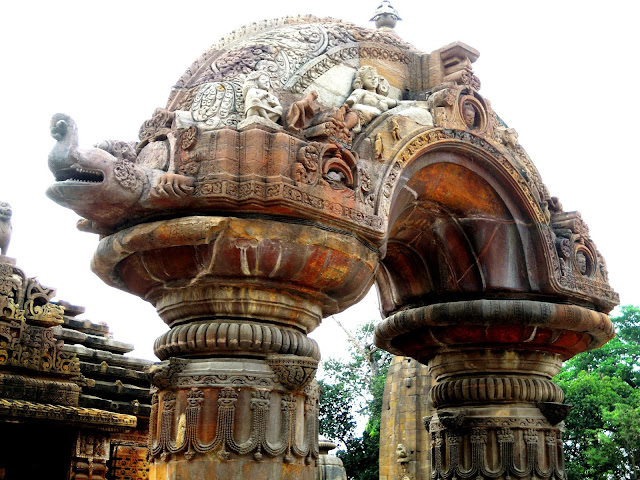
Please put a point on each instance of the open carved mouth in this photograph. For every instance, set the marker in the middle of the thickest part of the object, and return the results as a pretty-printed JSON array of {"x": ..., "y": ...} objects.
[{"x": 79, "y": 174}]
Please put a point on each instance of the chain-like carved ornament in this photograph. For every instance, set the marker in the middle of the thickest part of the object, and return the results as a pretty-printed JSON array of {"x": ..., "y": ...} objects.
[
  {"x": 190, "y": 438},
  {"x": 539, "y": 456}
]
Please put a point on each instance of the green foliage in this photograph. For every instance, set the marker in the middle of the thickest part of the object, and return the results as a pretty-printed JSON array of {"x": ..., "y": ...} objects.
[
  {"x": 360, "y": 458},
  {"x": 352, "y": 388},
  {"x": 602, "y": 438},
  {"x": 337, "y": 420}
]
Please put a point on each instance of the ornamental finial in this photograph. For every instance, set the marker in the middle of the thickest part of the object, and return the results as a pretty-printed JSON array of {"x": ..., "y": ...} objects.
[{"x": 385, "y": 15}]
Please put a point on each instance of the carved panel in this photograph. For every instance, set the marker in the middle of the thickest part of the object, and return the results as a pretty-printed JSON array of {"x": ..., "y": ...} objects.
[
  {"x": 92, "y": 451},
  {"x": 293, "y": 372},
  {"x": 129, "y": 463},
  {"x": 180, "y": 428},
  {"x": 35, "y": 348},
  {"x": 487, "y": 450}
]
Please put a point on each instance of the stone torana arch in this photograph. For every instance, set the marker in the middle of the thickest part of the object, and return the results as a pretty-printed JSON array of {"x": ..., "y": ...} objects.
[{"x": 296, "y": 162}]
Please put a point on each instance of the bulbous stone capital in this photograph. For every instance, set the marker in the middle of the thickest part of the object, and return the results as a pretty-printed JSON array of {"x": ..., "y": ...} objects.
[{"x": 201, "y": 268}]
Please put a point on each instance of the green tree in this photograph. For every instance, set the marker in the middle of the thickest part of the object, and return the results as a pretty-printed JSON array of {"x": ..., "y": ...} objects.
[
  {"x": 602, "y": 437},
  {"x": 353, "y": 388}
]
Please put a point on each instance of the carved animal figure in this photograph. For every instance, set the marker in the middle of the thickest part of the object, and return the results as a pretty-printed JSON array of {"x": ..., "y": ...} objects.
[
  {"x": 5, "y": 227},
  {"x": 106, "y": 189}
]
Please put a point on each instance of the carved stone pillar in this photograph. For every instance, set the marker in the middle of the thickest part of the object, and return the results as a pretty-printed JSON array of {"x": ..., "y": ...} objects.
[
  {"x": 235, "y": 396},
  {"x": 497, "y": 413}
]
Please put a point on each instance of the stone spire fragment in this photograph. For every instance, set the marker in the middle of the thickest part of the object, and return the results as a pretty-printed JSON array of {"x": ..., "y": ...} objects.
[{"x": 385, "y": 15}]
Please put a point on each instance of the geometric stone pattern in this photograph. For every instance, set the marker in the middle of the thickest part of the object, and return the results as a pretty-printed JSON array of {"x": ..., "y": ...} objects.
[{"x": 129, "y": 463}]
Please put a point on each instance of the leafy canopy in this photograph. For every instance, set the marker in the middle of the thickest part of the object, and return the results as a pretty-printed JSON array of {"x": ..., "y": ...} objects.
[
  {"x": 353, "y": 389},
  {"x": 602, "y": 437}
]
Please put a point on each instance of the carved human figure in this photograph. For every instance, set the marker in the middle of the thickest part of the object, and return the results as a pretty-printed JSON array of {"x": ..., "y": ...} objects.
[
  {"x": 378, "y": 146},
  {"x": 581, "y": 261},
  {"x": 469, "y": 115},
  {"x": 369, "y": 96},
  {"x": 403, "y": 455},
  {"x": 258, "y": 101},
  {"x": 510, "y": 138},
  {"x": 301, "y": 112},
  {"x": 5, "y": 227},
  {"x": 395, "y": 129}
]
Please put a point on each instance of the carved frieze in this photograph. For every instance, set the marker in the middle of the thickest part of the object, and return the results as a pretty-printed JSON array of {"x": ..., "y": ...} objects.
[
  {"x": 183, "y": 432},
  {"x": 68, "y": 414},
  {"x": 511, "y": 449}
]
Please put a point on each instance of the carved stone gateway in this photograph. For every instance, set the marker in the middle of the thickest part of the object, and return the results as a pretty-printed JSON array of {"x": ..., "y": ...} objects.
[{"x": 296, "y": 162}]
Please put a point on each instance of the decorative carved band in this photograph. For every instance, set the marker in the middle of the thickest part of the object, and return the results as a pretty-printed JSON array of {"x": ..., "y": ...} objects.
[
  {"x": 234, "y": 338},
  {"x": 39, "y": 390},
  {"x": 188, "y": 435},
  {"x": 495, "y": 389},
  {"x": 537, "y": 454},
  {"x": 231, "y": 191},
  {"x": 67, "y": 414}
]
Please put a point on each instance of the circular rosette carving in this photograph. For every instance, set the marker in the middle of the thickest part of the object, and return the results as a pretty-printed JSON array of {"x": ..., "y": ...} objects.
[{"x": 293, "y": 372}]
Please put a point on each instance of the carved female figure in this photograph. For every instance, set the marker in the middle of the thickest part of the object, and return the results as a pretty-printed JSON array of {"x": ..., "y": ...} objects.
[
  {"x": 258, "y": 101},
  {"x": 369, "y": 96}
]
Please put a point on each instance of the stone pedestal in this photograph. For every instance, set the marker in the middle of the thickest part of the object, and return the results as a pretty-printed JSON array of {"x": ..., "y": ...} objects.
[
  {"x": 497, "y": 414},
  {"x": 235, "y": 396}
]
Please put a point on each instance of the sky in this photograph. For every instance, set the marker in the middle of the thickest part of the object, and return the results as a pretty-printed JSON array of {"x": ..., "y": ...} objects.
[{"x": 561, "y": 73}]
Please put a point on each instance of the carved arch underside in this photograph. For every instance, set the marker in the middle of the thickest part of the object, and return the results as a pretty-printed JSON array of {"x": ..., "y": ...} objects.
[{"x": 458, "y": 229}]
